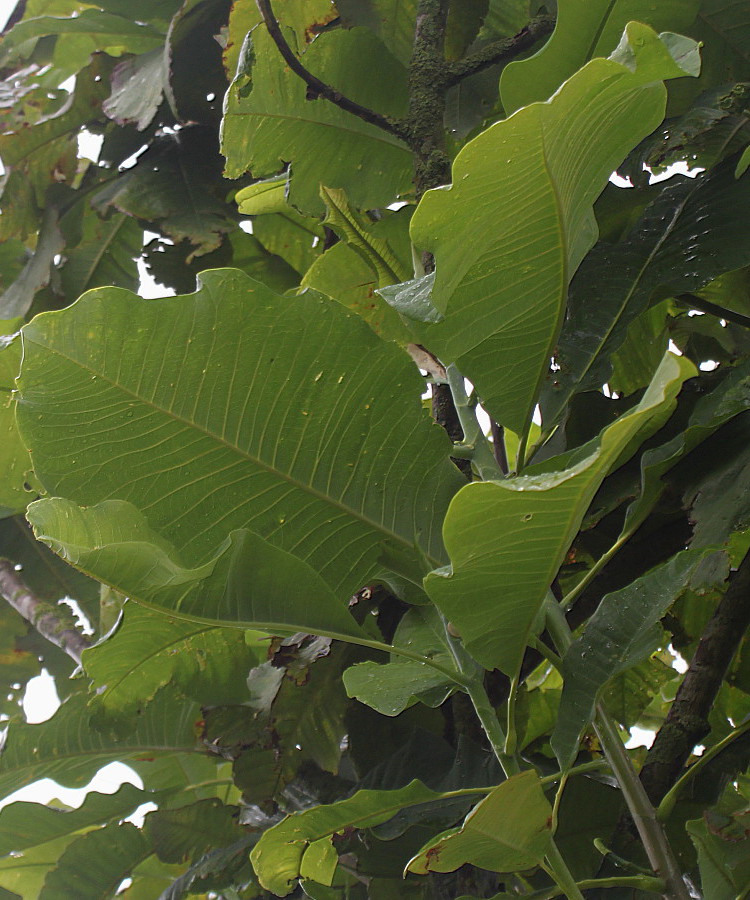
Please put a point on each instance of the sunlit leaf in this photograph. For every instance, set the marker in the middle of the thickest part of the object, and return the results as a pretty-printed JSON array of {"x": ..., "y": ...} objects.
[
  {"x": 507, "y": 831},
  {"x": 507, "y": 539},
  {"x": 501, "y": 282},
  {"x": 211, "y": 447}
]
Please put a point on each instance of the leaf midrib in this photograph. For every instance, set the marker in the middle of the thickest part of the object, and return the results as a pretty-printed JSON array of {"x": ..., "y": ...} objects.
[{"x": 294, "y": 482}]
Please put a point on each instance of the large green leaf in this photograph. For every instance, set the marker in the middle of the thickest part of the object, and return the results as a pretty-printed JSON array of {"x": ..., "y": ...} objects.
[
  {"x": 68, "y": 750},
  {"x": 396, "y": 685},
  {"x": 272, "y": 122},
  {"x": 509, "y": 830},
  {"x": 249, "y": 583},
  {"x": 507, "y": 539},
  {"x": 502, "y": 280},
  {"x": 14, "y": 457},
  {"x": 176, "y": 186},
  {"x": 150, "y": 650},
  {"x": 24, "y": 825},
  {"x": 94, "y": 865},
  {"x": 623, "y": 632},
  {"x": 279, "y": 855},
  {"x": 183, "y": 407},
  {"x": 585, "y": 29},
  {"x": 690, "y": 234},
  {"x": 88, "y": 32},
  {"x": 188, "y": 832},
  {"x": 305, "y": 17}
]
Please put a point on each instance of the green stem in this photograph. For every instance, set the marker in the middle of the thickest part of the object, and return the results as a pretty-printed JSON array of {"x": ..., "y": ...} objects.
[
  {"x": 511, "y": 737},
  {"x": 560, "y": 872},
  {"x": 573, "y": 594},
  {"x": 636, "y": 882},
  {"x": 482, "y": 456},
  {"x": 670, "y": 798},
  {"x": 652, "y": 835},
  {"x": 492, "y": 728}
]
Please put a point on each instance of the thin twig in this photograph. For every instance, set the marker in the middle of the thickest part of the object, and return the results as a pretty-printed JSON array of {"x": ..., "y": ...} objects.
[
  {"x": 500, "y": 51},
  {"x": 498, "y": 446},
  {"x": 45, "y": 617},
  {"x": 319, "y": 88}
]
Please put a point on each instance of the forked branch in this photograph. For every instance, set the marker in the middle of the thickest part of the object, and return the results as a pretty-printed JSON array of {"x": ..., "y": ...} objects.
[{"x": 319, "y": 88}]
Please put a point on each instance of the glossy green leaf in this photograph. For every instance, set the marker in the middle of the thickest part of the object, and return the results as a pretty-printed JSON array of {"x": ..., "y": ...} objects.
[
  {"x": 137, "y": 89},
  {"x": 263, "y": 197},
  {"x": 507, "y": 539},
  {"x": 36, "y": 273},
  {"x": 296, "y": 239},
  {"x": 346, "y": 278},
  {"x": 501, "y": 282},
  {"x": 93, "y": 866},
  {"x": 396, "y": 685},
  {"x": 691, "y": 233},
  {"x": 150, "y": 650},
  {"x": 70, "y": 753},
  {"x": 392, "y": 20},
  {"x": 196, "y": 431},
  {"x": 585, "y": 30},
  {"x": 24, "y": 825},
  {"x": 279, "y": 854},
  {"x": 621, "y": 633},
  {"x": 509, "y": 830},
  {"x": 273, "y": 123}
]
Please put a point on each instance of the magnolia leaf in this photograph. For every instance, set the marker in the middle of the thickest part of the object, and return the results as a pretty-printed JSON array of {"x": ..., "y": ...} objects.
[
  {"x": 692, "y": 232},
  {"x": 274, "y": 123},
  {"x": 585, "y": 29},
  {"x": 93, "y": 866},
  {"x": 150, "y": 650},
  {"x": 393, "y": 687},
  {"x": 15, "y": 463},
  {"x": 186, "y": 833},
  {"x": 509, "y": 830},
  {"x": 356, "y": 471},
  {"x": 91, "y": 30},
  {"x": 621, "y": 633},
  {"x": 105, "y": 255},
  {"x": 137, "y": 89},
  {"x": 63, "y": 749},
  {"x": 249, "y": 583},
  {"x": 278, "y": 856},
  {"x": 24, "y": 825},
  {"x": 501, "y": 284},
  {"x": 507, "y": 539}
]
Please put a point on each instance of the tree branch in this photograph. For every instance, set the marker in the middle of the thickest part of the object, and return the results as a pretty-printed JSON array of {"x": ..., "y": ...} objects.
[
  {"x": 707, "y": 307},
  {"x": 500, "y": 51},
  {"x": 687, "y": 721},
  {"x": 45, "y": 617},
  {"x": 319, "y": 88}
]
